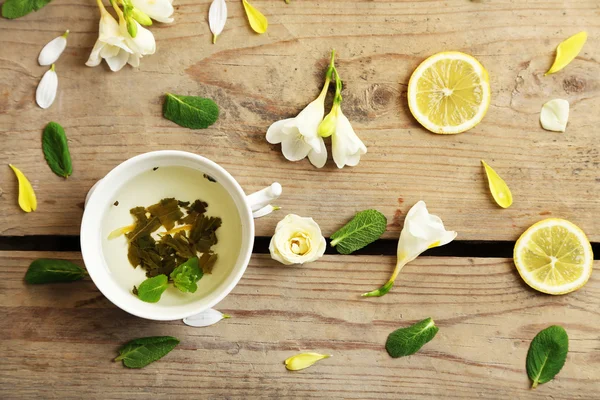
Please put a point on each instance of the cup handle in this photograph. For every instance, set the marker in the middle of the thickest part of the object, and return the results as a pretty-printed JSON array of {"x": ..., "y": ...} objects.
[{"x": 260, "y": 202}]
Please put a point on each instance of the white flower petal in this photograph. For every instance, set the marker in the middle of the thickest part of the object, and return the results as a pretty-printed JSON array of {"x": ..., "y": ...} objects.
[
  {"x": 95, "y": 59},
  {"x": 266, "y": 210},
  {"x": 46, "y": 90},
  {"x": 52, "y": 51},
  {"x": 117, "y": 62},
  {"x": 318, "y": 159},
  {"x": 275, "y": 133},
  {"x": 346, "y": 145},
  {"x": 555, "y": 115},
  {"x": 158, "y": 10},
  {"x": 205, "y": 318},
  {"x": 294, "y": 148},
  {"x": 309, "y": 119},
  {"x": 143, "y": 43},
  {"x": 134, "y": 60},
  {"x": 217, "y": 16}
]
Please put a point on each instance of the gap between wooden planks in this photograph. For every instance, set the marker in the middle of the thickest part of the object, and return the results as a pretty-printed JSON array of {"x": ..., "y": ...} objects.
[{"x": 58, "y": 340}]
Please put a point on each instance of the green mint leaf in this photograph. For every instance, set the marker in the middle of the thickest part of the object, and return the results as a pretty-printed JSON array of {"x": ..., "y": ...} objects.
[
  {"x": 547, "y": 354},
  {"x": 152, "y": 288},
  {"x": 366, "y": 227},
  {"x": 140, "y": 352},
  {"x": 190, "y": 111},
  {"x": 12, "y": 9},
  {"x": 406, "y": 341},
  {"x": 46, "y": 270},
  {"x": 56, "y": 150},
  {"x": 186, "y": 275}
]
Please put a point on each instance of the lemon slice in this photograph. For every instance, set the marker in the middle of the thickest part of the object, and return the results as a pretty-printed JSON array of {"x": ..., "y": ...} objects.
[
  {"x": 554, "y": 256},
  {"x": 449, "y": 92}
]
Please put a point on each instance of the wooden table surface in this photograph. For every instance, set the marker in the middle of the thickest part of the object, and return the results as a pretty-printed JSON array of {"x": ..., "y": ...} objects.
[{"x": 57, "y": 341}]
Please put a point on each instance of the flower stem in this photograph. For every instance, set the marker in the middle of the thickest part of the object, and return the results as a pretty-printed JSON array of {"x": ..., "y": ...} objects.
[
  {"x": 328, "y": 75},
  {"x": 388, "y": 285},
  {"x": 101, "y": 7}
]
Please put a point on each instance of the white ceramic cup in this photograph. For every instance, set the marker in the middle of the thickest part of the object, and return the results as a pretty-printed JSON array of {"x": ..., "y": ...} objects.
[{"x": 98, "y": 202}]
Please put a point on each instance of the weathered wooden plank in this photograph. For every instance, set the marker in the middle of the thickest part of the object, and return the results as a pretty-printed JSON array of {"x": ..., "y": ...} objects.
[
  {"x": 57, "y": 340},
  {"x": 257, "y": 80}
]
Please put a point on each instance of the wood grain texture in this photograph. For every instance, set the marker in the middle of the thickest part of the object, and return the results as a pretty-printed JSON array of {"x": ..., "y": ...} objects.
[
  {"x": 57, "y": 341},
  {"x": 257, "y": 80}
]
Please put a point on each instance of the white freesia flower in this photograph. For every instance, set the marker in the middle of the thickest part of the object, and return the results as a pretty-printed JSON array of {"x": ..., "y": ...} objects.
[
  {"x": 116, "y": 45},
  {"x": 297, "y": 240},
  {"x": 205, "y": 318},
  {"x": 217, "y": 16},
  {"x": 346, "y": 146},
  {"x": 298, "y": 136},
  {"x": 158, "y": 10},
  {"x": 421, "y": 231},
  {"x": 53, "y": 49},
  {"x": 46, "y": 90}
]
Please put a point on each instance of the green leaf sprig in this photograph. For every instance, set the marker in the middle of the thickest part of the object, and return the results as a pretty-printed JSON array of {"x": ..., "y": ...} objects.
[
  {"x": 547, "y": 354},
  {"x": 143, "y": 351},
  {"x": 366, "y": 227},
  {"x": 46, "y": 270},
  {"x": 186, "y": 275},
  {"x": 56, "y": 150},
  {"x": 12, "y": 9},
  {"x": 190, "y": 111},
  {"x": 152, "y": 288},
  {"x": 406, "y": 341}
]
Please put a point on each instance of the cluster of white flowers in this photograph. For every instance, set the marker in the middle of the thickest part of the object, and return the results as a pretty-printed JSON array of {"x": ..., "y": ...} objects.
[
  {"x": 126, "y": 41},
  {"x": 302, "y": 136}
]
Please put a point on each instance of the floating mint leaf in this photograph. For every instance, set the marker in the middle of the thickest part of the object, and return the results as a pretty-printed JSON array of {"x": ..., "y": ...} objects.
[
  {"x": 406, "y": 341},
  {"x": 140, "y": 352},
  {"x": 366, "y": 227},
  {"x": 152, "y": 288},
  {"x": 186, "y": 275},
  {"x": 547, "y": 354},
  {"x": 190, "y": 111},
  {"x": 12, "y": 9},
  {"x": 56, "y": 150},
  {"x": 46, "y": 270}
]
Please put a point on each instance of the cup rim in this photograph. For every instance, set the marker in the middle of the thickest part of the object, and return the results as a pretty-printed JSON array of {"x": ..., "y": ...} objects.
[{"x": 98, "y": 274}]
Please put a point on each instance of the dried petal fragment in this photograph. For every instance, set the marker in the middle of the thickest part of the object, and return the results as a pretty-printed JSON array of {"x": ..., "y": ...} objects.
[
  {"x": 303, "y": 360},
  {"x": 498, "y": 187},
  {"x": 567, "y": 51},
  {"x": 53, "y": 49},
  {"x": 27, "y": 200},
  {"x": 555, "y": 115},
  {"x": 46, "y": 90},
  {"x": 257, "y": 20}
]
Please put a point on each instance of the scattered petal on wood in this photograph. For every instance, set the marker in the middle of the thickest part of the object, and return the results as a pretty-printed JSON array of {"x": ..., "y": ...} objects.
[
  {"x": 52, "y": 51},
  {"x": 567, "y": 51},
  {"x": 303, "y": 360},
  {"x": 257, "y": 20},
  {"x": 205, "y": 318},
  {"x": 46, "y": 90},
  {"x": 498, "y": 187},
  {"x": 266, "y": 210},
  {"x": 27, "y": 200},
  {"x": 555, "y": 115},
  {"x": 217, "y": 16}
]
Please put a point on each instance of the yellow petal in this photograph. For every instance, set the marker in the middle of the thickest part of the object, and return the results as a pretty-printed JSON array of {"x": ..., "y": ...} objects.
[
  {"x": 303, "y": 360},
  {"x": 257, "y": 20},
  {"x": 567, "y": 51},
  {"x": 498, "y": 187},
  {"x": 27, "y": 200}
]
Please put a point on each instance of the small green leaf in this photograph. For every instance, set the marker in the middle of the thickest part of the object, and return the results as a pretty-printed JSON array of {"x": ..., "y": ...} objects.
[
  {"x": 46, "y": 270},
  {"x": 140, "y": 352},
  {"x": 366, "y": 227},
  {"x": 56, "y": 150},
  {"x": 12, "y": 9},
  {"x": 547, "y": 354},
  {"x": 186, "y": 275},
  {"x": 190, "y": 111},
  {"x": 152, "y": 288},
  {"x": 406, "y": 341}
]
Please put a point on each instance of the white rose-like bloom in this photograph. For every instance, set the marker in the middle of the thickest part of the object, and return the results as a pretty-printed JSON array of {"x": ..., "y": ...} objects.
[
  {"x": 421, "y": 231},
  {"x": 297, "y": 240},
  {"x": 158, "y": 10},
  {"x": 346, "y": 146}
]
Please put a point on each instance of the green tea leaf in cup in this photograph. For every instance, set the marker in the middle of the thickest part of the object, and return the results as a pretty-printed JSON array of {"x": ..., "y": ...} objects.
[
  {"x": 152, "y": 288},
  {"x": 406, "y": 341},
  {"x": 186, "y": 275},
  {"x": 190, "y": 111},
  {"x": 56, "y": 150},
  {"x": 143, "y": 351},
  {"x": 46, "y": 270},
  {"x": 366, "y": 227},
  {"x": 547, "y": 354}
]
